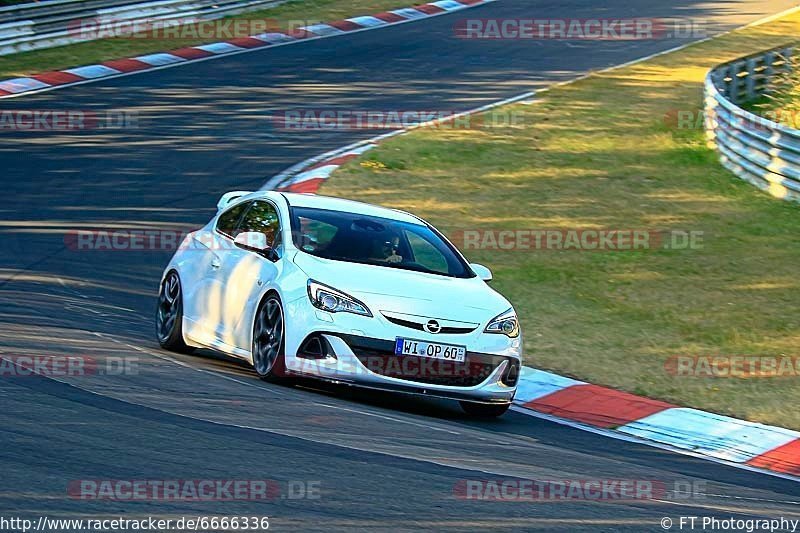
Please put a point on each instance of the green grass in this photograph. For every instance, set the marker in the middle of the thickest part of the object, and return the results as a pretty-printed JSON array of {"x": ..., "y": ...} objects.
[
  {"x": 599, "y": 153},
  {"x": 782, "y": 102},
  {"x": 105, "y": 49}
]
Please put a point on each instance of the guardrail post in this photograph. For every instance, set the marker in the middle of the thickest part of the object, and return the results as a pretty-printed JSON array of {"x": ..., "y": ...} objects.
[
  {"x": 720, "y": 79},
  {"x": 769, "y": 70},
  {"x": 733, "y": 85},
  {"x": 750, "y": 81}
]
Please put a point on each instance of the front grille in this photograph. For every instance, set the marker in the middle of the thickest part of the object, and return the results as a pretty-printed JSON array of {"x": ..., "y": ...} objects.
[
  {"x": 379, "y": 357},
  {"x": 418, "y": 326}
]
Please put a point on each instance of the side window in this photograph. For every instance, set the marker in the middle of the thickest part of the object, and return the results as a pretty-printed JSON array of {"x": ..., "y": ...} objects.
[
  {"x": 263, "y": 218},
  {"x": 227, "y": 222},
  {"x": 316, "y": 235},
  {"x": 426, "y": 253}
]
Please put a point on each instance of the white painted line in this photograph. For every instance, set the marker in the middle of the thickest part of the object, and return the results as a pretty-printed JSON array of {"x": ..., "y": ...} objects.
[{"x": 390, "y": 418}]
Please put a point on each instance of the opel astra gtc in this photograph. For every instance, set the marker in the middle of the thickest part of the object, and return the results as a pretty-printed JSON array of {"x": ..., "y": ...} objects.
[{"x": 332, "y": 289}]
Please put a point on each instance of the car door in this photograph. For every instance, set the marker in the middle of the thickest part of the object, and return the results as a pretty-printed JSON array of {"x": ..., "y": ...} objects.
[
  {"x": 205, "y": 291},
  {"x": 245, "y": 274}
]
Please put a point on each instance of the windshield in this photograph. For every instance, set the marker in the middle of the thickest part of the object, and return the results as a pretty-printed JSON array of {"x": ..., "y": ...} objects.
[{"x": 373, "y": 240}]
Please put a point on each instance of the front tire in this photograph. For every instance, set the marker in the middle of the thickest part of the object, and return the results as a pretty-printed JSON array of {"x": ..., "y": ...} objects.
[
  {"x": 169, "y": 315},
  {"x": 482, "y": 410},
  {"x": 269, "y": 333}
]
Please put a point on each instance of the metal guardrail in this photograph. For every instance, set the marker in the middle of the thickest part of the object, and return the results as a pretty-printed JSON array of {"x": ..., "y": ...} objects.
[
  {"x": 756, "y": 149},
  {"x": 25, "y": 27}
]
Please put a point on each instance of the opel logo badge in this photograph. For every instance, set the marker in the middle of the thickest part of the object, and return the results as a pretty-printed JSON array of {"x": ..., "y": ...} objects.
[{"x": 433, "y": 327}]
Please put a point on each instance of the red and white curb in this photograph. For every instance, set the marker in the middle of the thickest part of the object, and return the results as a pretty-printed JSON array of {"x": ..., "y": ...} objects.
[
  {"x": 308, "y": 176},
  {"x": 707, "y": 434},
  {"x": 121, "y": 67}
]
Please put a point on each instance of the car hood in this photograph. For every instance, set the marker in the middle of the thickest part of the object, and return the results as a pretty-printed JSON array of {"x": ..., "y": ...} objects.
[{"x": 402, "y": 291}]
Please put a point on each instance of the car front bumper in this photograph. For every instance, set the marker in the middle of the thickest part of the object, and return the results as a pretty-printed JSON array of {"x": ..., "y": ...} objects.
[{"x": 359, "y": 351}]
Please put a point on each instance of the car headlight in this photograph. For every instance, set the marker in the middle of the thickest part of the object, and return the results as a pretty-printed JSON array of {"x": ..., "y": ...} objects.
[
  {"x": 505, "y": 323},
  {"x": 333, "y": 301}
]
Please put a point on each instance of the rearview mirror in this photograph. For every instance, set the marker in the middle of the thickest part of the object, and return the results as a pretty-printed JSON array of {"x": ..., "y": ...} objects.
[
  {"x": 253, "y": 241},
  {"x": 484, "y": 273}
]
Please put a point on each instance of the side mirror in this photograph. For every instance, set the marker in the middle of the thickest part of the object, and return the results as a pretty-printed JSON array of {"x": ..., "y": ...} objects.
[
  {"x": 484, "y": 273},
  {"x": 254, "y": 241}
]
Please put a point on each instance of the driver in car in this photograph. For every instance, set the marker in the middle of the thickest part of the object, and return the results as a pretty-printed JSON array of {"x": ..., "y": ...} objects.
[{"x": 388, "y": 252}]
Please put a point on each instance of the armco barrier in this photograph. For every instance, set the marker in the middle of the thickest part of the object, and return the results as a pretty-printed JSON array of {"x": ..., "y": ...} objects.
[
  {"x": 28, "y": 27},
  {"x": 756, "y": 149}
]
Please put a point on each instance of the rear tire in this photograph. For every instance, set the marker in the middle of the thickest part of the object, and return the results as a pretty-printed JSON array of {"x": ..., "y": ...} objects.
[
  {"x": 482, "y": 410},
  {"x": 269, "y": 340},
  {"x": 169, "y": 315}
]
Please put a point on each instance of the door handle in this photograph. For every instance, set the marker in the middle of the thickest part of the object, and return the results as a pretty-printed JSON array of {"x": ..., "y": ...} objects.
[{"x": 215, "y": 263}]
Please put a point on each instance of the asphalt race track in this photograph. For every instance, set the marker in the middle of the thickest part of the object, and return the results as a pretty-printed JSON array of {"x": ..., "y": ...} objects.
[{"x": 381, "y": 461}]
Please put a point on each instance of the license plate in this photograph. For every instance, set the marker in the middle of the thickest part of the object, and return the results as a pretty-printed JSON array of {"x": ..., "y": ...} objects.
[{"x": 434, "y": 350}]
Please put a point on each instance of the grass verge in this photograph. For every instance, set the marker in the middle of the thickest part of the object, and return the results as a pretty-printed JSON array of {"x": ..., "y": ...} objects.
[
  {"x": 782, "y": 102},
  {"x": 74, "y": 55},
  {"x": 605, "y": 152}
]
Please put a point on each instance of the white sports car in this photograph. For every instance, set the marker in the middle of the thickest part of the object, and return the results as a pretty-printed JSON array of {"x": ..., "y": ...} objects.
[{"x": 320, "y": 287}]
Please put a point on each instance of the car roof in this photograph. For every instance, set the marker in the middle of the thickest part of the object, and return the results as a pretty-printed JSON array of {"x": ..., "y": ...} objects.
[{"x": 331, "y": 203}]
